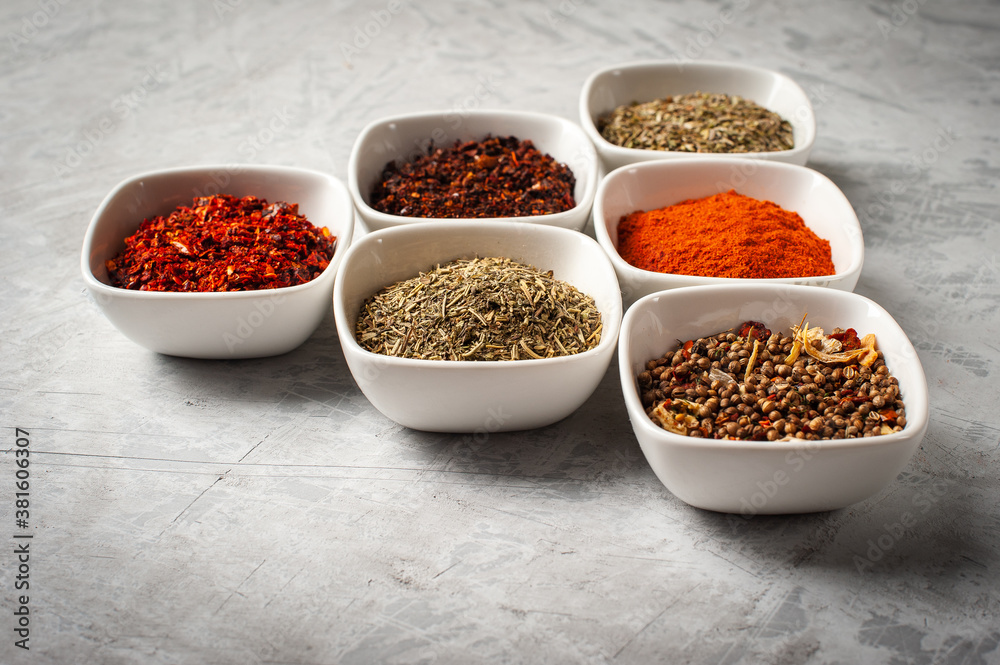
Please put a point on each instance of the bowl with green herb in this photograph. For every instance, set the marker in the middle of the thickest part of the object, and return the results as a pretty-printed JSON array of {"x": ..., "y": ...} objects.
[
  {"x": 477, "y": 326},
  {"x": 665, "y": 110}
]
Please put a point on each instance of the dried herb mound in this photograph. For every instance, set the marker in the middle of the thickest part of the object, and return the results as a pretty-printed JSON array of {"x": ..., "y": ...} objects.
[
  {"x": 479, "y": 309},
  {"x": 223, "y": 243},
  {"x": 697, "y": 122},
  {"x": 496, "y": 177},
  {"x": 756, "y": 385}
]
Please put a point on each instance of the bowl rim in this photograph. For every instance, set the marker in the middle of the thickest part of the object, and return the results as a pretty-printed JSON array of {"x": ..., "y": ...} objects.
[
  {"x": 610, "y": 330},
  {"x": 661, "y": 437},
  {"x": 386, "y": 219},
  {"x": 624, "y": 267},
  {"x": 102, "y": 289},
  {"x": 587, "y": 121}
]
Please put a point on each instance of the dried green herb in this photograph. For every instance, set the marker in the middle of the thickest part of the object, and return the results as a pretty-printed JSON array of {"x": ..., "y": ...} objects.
[
  {"x": 697, "y": 122},
  {"x": 479, "y": 309}
]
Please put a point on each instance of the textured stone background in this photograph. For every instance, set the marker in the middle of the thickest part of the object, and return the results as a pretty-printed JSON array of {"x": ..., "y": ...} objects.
[{"x": 263, "y": 512}]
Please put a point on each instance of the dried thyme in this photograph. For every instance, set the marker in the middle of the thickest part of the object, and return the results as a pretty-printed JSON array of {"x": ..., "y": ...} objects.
[
  {"x": 697, "y": 122},
  {"x": 479, "y": 309}
]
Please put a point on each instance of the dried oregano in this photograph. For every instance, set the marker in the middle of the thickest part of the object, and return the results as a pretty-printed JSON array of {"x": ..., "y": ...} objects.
[
  {"x": 697, "y": 122},
  {"x": 479, "y": 309}
]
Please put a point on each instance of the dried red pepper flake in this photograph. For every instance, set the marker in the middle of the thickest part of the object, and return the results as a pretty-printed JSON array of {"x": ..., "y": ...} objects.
[
  {"x": 495, "y": 177},
  {"x": 759, "y": 331},
  {"x": 848, "y": 339},
  {"x": 223, "y": 243}
]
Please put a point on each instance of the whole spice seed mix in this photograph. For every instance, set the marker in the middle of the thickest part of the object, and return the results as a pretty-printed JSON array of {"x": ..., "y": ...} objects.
[
  {"x": 495, "y": 177},
  {"x": 479, "y": 309},
  {"x": 751, "y": 384},
  {"x": 697, "y": 122},
  {"x": 223, "y": 243}
]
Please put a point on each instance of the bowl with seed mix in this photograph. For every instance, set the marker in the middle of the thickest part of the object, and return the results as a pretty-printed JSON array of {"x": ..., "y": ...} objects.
[
  {"x": 218, "y": 262},
  {"x": 733, "y": 415},
  {"x": 477, "y": 326},
  {"x": 666, "y": 110},
  {"x": 511, "y": 165},
  {"x": 716, "y": 243}
]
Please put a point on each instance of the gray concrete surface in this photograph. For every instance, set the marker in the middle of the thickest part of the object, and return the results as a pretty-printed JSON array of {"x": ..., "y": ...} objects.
[{"x": 263, "y": 512}]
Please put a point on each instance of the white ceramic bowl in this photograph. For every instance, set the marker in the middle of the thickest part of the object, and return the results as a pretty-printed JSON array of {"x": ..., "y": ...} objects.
[
  {"x": 476, "y": 397},
  {"x": 242, "y": 324},
  {"x": 607, "y": 89},
  {"x": 405, "y": 137},
  {"x": 750, "y": 477},
  {"x": 652, "y": 185}
]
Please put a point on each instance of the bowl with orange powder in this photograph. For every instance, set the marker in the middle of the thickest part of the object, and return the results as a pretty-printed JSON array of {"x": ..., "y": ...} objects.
[{"x": 696, "y": 222}]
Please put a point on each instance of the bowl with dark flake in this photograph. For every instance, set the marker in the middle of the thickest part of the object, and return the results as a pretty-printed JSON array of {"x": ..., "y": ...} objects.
[
  {"x": 510, "y": 165},
  {"x": 651, "y": 110},
  {"x": 477, "y": 326},
  {"x": 771, "y": 398},
  {"x": 221, "y": 262}
]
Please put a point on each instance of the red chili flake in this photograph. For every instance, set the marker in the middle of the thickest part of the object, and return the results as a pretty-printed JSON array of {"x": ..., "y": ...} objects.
[
  {"x": 848, "y": 339},
  {"x": 495, "y": 177},
  {"x": 759, "y": 331},
  {"x": 223, "y": 243},
  {"x": 686, "y": 351},
  {"x": 888, "y": 415}
]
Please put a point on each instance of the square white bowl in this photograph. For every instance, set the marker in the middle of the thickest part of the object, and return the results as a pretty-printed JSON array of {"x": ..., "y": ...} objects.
[
  {"x": 403, "y": 138},
  {"x": 611, "y": 87},
  {"x": 653, "y": 185},
  {"x": 223, "y": 325},
  {"x": 751, "y": 477},
  {"x": 476, "y": 397}
]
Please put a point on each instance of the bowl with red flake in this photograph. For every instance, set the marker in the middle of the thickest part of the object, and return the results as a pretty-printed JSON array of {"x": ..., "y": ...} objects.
[
  {"x": 747, "y": 399},
  {"x": 218, "y": 262},
  {"x": 699, "y": 221},
  {"x": 650, "y": 110},
  {"x": 510, "y": 165}
]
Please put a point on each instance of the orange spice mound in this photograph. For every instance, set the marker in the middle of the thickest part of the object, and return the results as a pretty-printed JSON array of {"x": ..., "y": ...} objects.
[{"x": 726, "y": 235}]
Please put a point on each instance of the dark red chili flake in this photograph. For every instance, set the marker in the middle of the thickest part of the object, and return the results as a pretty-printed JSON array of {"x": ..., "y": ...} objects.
[
  {"x": 223, "y": 243},
  {"x": 495, "y": 177},
  {"x": 848, "y": 339},
  {"x": 760, "y": 332}
]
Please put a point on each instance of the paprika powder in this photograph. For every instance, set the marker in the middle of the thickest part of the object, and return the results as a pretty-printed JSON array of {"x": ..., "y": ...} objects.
[
  {"x": 500, "y": 176},
  {"x": 726, "y": 235}
]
